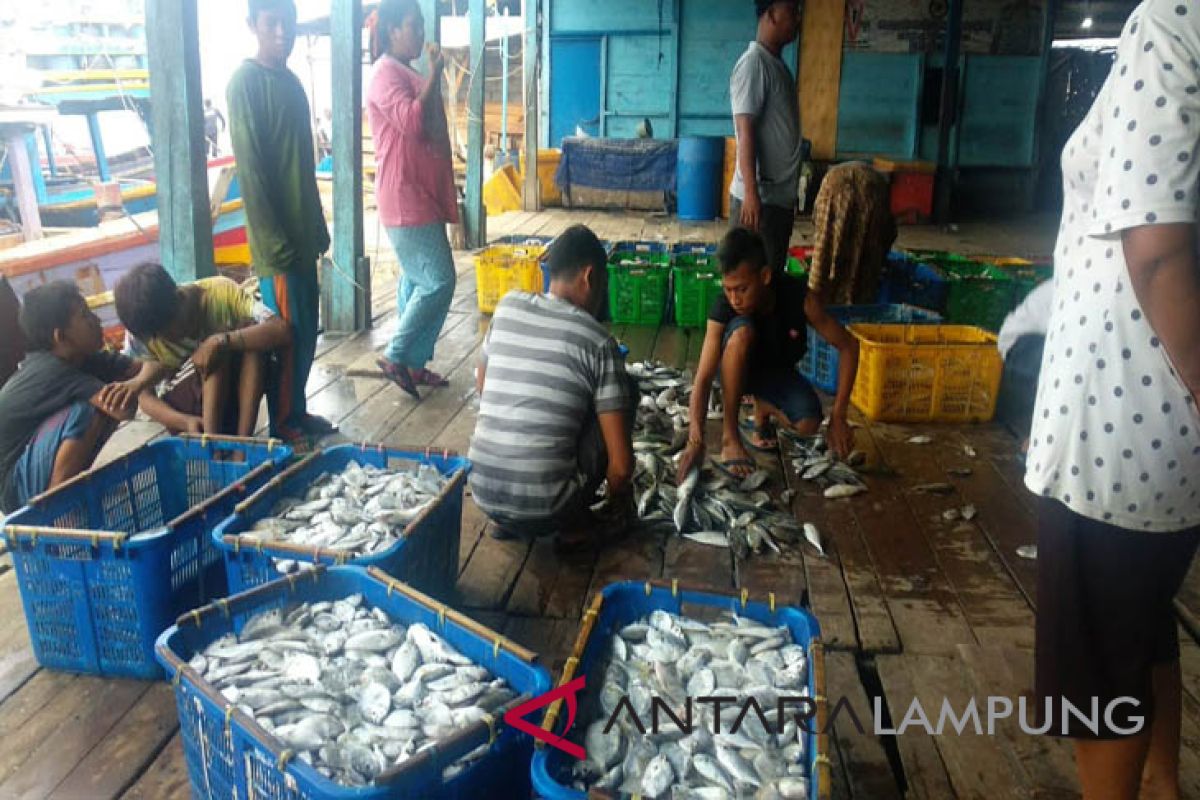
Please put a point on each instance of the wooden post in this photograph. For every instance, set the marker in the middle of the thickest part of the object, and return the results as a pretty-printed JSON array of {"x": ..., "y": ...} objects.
[
  {"x": 821, "y": 74},
  {"x": 22, "y": 174},
  {"x": 177, "y": 134},
  {"x": 35, "y": 166},
  {"x": 51, "y": 164},
  {"x": 349, "y": 305},
  {"x": 532, "y": 195},
  {"x": 948, "y": 113},
  {"x": 476, "y": 222}
]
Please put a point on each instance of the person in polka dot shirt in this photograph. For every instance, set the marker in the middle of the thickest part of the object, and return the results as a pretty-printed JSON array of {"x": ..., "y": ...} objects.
[{"x": 1115, "y": 443}]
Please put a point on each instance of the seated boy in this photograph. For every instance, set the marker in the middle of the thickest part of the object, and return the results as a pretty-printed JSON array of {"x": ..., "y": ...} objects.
[
  {"x": 555, "y": 406},
  {"x": 65, "y": 399},
  {"x": 757, "y": 332},
  {"x": 211, "y": 337}
]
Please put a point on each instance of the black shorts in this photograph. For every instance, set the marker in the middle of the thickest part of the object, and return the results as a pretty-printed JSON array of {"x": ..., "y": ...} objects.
[{"x": 1104, "y": 617}]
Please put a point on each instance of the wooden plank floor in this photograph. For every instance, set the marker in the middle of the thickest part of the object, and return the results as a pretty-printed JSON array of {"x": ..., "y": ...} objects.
[{"x": 912, "y": 606}]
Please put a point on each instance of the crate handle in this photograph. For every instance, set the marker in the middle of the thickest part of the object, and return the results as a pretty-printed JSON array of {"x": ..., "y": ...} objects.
[
  {"x": 571, "y": 664},
  {"x": 237, "y": 487},
  {"x": 245, "y": 598},
  {"x": 444, "y": 612},
  {"x": 34, "y": 532},
  {"x": 275, "y": 482}
]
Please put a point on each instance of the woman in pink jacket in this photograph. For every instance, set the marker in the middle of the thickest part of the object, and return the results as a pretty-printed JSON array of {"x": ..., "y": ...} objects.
[{"x": 414, "y": 188}]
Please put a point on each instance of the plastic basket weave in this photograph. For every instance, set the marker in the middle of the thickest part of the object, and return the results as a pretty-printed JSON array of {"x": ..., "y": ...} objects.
[
  {"x": 504, "y": 268},
  {"x": 695, "y": 291},
  {"x": 908, "y": 282},
  {"x": 926, "y": 373},
  {"x": 653, "y": 254},
  {"x": 427, "y": 556},
  {"x": 107, "y": 560},
  {"x": 619, "y": 604},
  {"x": 979, "y": 295},
  {"x": 228, "y": 755},
  {"x": 821, "y": 360},
  {"x": 694, "y": 254}
]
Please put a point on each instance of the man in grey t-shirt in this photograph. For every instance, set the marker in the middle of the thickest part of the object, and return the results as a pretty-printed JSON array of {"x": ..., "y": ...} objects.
[{"x": 766, "y": 118}]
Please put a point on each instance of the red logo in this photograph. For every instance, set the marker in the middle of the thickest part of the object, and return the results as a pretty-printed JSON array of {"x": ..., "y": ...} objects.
[{"x": 516, "y": 717}]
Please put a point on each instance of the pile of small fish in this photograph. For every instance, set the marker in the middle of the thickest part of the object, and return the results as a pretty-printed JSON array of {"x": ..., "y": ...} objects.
[
  {"x": 362, "y": 510},
  {"x": 813, "y": 461},
  {"x": 719, "y": 510},
  {"x": 672, "y": 659},
  {"x": 353, "y": 693}
]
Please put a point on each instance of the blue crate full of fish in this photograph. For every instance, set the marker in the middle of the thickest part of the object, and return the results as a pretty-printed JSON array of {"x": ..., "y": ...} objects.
[
  {"x": 107, "y": 560},
  {"x": 399, "y": 510},
  {"x": 820, "y": 363},
  {"x": 909, "y": 282},
  {"x": 339, "y": 684},
  {"x": 640, "y": 641}
]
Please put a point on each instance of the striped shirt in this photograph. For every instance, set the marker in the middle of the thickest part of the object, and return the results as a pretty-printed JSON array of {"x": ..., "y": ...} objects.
[{"x": 549, "y": 366}]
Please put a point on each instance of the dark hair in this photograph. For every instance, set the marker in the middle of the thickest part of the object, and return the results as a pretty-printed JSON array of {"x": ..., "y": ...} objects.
[
  {"x": 572, "y": 250},
  {"x": 741, "y": 246},
  {"x": 390, "y": 14},
  {"x": 259, "y": 6},
  {"x": 46, "y": 309},
  {"x": 147, "y": 300},
  {"x": 762, "y": 6}
]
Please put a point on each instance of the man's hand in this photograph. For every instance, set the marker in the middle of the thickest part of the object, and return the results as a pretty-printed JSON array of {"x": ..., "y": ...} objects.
[
  {"x": 839, "y": 436},
  {"x": 207, "y": 355},
  {"x": 193, "y": 426},
  {"x": 751, "y": 208},
  {"x": 119, "y": 398},
  {"x": 693, "y": 456},
  {"x": 437, "y": 61}
]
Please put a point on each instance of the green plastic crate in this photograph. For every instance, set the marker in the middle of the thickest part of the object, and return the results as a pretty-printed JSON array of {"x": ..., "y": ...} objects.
[
  {"x": 979, "y": 295},
  {"x": 655, "y": 254},
  {"x": 637, "y": 293},
  {"x": 695, "y": 291},
  {"x": 694, "y": 255}
]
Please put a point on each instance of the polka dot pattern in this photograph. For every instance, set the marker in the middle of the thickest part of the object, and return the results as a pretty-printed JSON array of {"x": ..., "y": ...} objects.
[{"x": 1116, "y": 434}]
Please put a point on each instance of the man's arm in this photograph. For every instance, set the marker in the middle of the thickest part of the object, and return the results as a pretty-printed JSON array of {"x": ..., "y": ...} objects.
[
  {"x": 261, "y": 337},
  {"x": 706, "y": 372},
  {"x": 747, "y": 161},
  {"x": 615, "y": 429},
  {"x": 161, "y": 412},
  {"x": 1162, "y": 270},
  {"x": 118, "y": 397},
  {"x": 245, "y": 132},
  {"x": 480, "y": 373},
  {"x": 841, "y": 439}
]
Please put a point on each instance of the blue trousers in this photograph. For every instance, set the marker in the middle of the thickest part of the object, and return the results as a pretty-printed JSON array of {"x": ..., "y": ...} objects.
[
  {"x": 295, "y": 296},
  {"x": 424, "y": 293}
]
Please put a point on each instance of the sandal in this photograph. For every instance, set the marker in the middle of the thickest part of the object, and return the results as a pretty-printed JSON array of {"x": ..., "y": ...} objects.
[
  {"x": 427, "y": 377},
  {"x": 399, "y": 375},
  {"x": 728, "y": 467},
  {"x": 749, "y": 430}
]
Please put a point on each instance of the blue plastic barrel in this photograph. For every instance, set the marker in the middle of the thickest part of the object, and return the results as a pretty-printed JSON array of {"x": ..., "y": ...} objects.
[{"x": 701, "y": 162}]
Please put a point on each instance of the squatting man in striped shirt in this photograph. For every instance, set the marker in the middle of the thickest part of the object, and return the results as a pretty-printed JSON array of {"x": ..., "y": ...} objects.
[{"x": 556, "y": 407}]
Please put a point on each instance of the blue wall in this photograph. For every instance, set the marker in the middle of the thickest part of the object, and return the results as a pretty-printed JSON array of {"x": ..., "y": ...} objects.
[{"x": 676, "y": 73}]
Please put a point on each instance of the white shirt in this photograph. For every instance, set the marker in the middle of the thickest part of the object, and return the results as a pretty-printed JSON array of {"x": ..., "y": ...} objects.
[
  {"x": 1029, "y": 318},
  {"x": 1116, "y": 435}
]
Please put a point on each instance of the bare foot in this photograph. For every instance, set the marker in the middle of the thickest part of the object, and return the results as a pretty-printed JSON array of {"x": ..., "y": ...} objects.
[{"x": 736, "y": 460}]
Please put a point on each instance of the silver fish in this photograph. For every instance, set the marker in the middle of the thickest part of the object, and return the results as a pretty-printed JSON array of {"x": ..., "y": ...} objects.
[
  {"x": 843, "y": 490},
  {"x": 683, "y": 504},
  {"x": 813, "y": 537},
  {"x": 710, "y": 538},
  {"x": 920, "y": 439}
]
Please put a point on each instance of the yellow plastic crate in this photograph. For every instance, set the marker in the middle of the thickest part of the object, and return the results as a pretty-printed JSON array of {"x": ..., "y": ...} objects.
[
  {"x": 503, "y": 268},
  {"x": 926, "y": 373}
]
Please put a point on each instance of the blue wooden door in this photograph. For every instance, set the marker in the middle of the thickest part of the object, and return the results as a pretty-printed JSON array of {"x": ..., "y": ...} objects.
[{"x": 574, "y": 87}]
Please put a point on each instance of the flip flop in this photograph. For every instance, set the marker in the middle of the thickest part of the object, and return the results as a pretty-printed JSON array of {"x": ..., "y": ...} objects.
[
  {"x": 727, "y": 467},
  {"x": 747, "y": 426},
  {"x": 399, "y": 375},
  {"x": 427, "y": 377}
]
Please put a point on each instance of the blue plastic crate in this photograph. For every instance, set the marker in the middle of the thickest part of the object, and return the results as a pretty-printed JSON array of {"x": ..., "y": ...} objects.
[
  {"x": 427, "y": 557},
  {"x": 912, "y": 283},
  {"x": 619, "y": 604},
  {"x": 228, "y": 755},
  {"x": 106, "y": 561},
  {"x": 821, "y": 360}
]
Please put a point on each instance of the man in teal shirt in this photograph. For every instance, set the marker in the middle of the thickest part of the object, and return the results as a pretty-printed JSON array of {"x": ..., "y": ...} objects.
[{"x": 269, "y": 124}]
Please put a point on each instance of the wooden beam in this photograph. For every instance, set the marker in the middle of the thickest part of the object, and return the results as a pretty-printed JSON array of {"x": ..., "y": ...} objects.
[
  {"x": 532, "y": 195},
  {"x": 35, "y": 165},
  {"x": 177, "y": 134},
  {"x": 348, "y": 283},
  {"x": 476, "y": 222},
  {"x": 22, "y": 173},
  {"x": 821, "y": 74}
]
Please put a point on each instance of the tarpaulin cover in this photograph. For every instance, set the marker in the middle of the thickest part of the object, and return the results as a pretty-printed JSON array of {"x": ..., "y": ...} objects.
[{"x": 637, "y": 165}]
